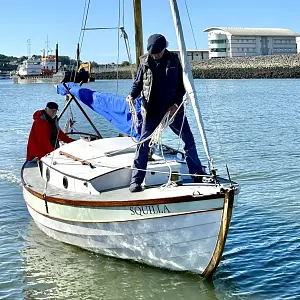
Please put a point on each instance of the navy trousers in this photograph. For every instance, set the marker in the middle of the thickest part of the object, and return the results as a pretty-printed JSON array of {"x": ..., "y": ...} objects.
[{"x": 142, "y": 151}]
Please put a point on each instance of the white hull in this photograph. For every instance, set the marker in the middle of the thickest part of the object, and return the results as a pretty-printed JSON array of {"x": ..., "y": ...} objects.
[
  {"x": 54, "y": 78},
  {"x": 181, "y": 227},
  {"x": 183, "y": 242}
]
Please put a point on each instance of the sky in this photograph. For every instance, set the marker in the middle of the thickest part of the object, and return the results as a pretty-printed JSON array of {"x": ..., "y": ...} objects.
[{"x": 61, "y": 20}]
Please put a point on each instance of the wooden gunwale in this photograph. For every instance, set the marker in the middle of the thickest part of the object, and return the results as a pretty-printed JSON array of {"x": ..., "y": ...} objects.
[
  {"x": 120, "y": 203},
  {"x": 122, "y": 221}
]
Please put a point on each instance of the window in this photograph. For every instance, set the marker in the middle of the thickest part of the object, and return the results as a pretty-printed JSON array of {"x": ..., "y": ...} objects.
[
  {"x": 217, "y": 41},
  {"x": 218, "y": 50}
]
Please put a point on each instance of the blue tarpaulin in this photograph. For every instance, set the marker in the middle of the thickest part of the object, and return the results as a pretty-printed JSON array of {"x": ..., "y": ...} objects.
[{"x": 114, "y": 108}]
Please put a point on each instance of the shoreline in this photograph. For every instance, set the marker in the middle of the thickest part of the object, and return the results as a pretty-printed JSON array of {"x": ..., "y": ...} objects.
[{"x": 272, "y": 66}]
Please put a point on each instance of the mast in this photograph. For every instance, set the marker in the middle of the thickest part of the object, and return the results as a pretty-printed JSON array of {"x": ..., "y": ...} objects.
[
  {"x": 138, "y": 30},
  {"x": 188, "y": 78}
]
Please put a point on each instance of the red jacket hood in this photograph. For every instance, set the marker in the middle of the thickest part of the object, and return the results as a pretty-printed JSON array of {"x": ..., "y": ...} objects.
[{"x": 37, "y": 114}]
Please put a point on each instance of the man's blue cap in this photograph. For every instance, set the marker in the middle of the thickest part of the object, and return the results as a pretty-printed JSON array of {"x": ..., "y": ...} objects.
[
  {"x": 156, "y": 43},
  {"x": 52, "y": 105}
]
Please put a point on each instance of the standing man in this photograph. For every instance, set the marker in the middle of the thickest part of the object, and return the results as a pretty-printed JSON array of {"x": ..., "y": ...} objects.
[
  {"x": 45, "y": 133},
  {"x": 160, "y": 84}
]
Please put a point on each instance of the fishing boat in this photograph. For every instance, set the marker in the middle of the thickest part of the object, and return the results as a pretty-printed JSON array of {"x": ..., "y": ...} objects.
[{"x": 78, "y": 194}]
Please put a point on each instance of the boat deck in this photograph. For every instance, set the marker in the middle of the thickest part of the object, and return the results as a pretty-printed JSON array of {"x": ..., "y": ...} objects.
[{"x": 33, "y": 182}]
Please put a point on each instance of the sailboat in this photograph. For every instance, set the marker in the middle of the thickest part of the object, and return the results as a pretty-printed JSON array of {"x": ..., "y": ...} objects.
[{"x": 78, "y": 194}]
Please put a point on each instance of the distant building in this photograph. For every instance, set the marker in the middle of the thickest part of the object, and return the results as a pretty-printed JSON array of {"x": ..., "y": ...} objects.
[
  {"x": 298, "y": 44},
  {"x": 235, "y": 42},
  {"x": 195, "y": 55}
]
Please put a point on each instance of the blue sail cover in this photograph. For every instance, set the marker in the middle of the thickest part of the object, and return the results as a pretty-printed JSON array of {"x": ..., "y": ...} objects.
[{"x": 114, "y": 108}]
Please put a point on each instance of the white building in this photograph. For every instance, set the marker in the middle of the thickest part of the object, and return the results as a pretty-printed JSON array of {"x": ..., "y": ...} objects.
[
  {"x": 298, "y": 44},
  {"x": 195, "y": 55},
  {"x": 235, "y": 42}
]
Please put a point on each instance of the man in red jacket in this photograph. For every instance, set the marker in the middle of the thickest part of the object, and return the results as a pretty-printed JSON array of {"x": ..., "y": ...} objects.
[{"x": 45, "y": 133}]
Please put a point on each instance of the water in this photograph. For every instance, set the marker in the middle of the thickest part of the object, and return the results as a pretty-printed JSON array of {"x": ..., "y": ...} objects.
[{"x": 253, "y": 125}]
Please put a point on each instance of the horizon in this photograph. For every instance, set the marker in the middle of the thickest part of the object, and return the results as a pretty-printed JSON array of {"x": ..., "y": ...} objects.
[{"x": 101, "y": 45}]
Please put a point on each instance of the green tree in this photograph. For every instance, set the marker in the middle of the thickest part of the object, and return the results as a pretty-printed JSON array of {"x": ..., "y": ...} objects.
[{"x": 125, "y": 63}]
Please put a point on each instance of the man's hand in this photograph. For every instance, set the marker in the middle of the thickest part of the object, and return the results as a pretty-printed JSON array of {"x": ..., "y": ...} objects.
[
  {"x": 129, "y": 99},
  {"x": 173, "y": 109}
]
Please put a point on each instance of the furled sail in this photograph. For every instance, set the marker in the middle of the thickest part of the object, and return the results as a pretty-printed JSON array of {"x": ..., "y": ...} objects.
[{"x": 114, "y": 108}]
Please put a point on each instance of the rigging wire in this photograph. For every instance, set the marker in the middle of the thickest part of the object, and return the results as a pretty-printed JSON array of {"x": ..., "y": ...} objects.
[
  {"x": 84, "y": 24},
  {"x": 127, "y": 46},
  {"x": 213, "y": 113},
  {"x": 123, "y": 17},
  {"x": 82, "y": 21},
  {"x": 187, "y": 10}
]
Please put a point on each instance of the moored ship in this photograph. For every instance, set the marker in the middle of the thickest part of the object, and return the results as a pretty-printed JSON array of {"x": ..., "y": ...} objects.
[{"x": 47, "y": 69}]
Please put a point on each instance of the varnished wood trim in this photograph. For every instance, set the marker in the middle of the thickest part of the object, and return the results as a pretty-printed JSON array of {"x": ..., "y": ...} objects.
[
  {"x": 120, "y": 203},
  {"x": 226, "y": 217},
  {"x": 121, "y": 221}
]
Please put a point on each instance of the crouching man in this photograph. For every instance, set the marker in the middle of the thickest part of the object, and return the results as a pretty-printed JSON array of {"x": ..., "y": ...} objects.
[{"x": 45, "y": 133}]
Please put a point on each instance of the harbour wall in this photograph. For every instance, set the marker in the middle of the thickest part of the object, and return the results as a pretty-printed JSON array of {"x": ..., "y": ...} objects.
[{"x": 273, "y": 66}]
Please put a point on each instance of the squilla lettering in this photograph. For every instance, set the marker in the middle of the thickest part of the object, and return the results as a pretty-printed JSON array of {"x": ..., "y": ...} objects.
[{"x": 149, "y": 210}]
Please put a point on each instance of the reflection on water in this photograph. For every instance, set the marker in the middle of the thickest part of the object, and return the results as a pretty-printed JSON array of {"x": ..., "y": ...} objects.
[{"x": 53, "y": 270}]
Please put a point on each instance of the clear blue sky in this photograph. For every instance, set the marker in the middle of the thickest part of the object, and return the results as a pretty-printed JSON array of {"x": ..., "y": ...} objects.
[{"x": 61, "y": 21}]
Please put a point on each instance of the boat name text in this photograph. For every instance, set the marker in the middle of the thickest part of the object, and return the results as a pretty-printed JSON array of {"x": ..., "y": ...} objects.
[{"x": 149, "y": 210}]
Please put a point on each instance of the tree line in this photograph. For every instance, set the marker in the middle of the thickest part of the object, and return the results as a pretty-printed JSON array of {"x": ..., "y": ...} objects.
[{"x": 10, "y": 63}]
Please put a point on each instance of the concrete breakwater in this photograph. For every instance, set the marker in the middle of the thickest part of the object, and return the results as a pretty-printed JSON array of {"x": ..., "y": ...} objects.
[{"x": 272, "y": 66}]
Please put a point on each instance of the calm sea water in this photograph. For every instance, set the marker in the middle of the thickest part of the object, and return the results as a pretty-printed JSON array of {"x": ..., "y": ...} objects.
[{"x": 253, "y": 125}]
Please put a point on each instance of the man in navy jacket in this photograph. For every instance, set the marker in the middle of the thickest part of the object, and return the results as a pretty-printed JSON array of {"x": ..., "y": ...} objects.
[{"x": 159, "y": 82}]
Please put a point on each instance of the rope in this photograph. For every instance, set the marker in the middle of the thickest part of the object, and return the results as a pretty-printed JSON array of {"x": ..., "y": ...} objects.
[
  {"x": 157, "y": 134},
  {"x": 70, "y": 120},
  {"x": 134, "y": 117}
]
